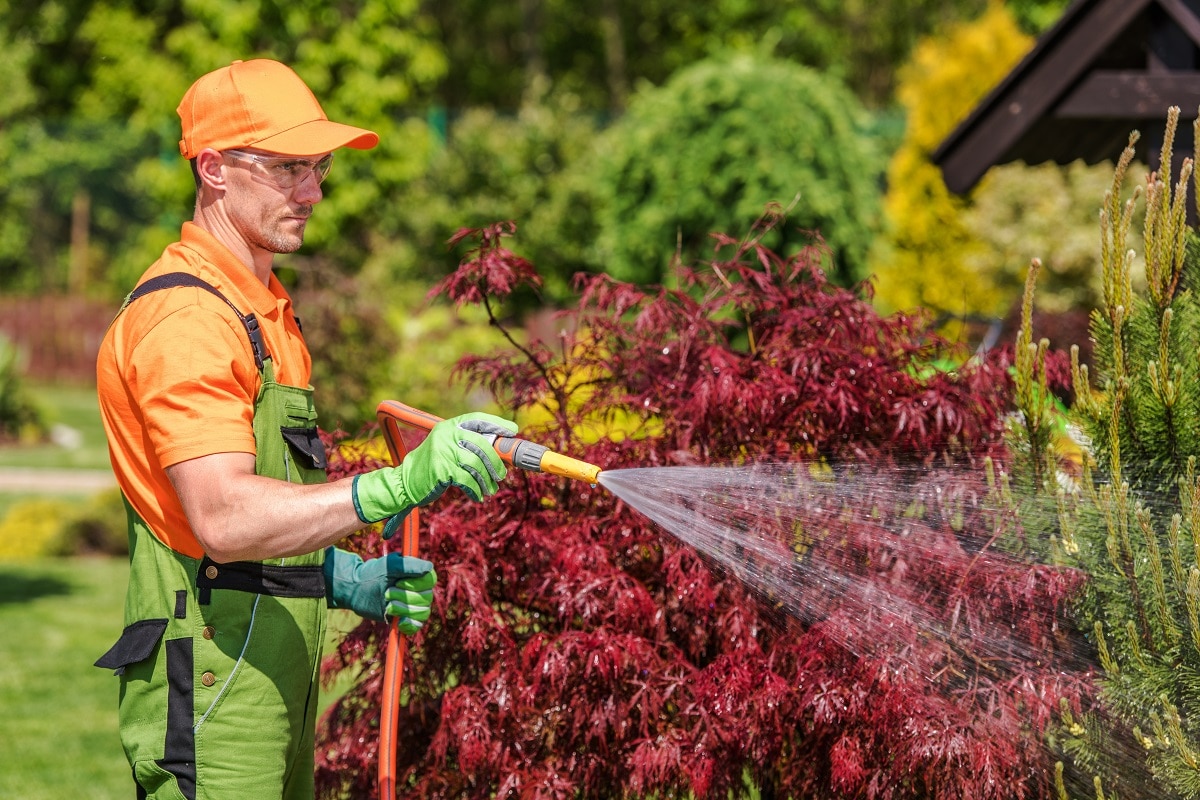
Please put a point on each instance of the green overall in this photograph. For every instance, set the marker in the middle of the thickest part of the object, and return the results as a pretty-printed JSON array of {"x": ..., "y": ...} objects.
[{"x": 219, "y": 663}]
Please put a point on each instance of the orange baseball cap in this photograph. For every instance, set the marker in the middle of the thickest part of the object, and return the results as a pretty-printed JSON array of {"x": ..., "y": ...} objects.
[{"x": 265, "y": 105}]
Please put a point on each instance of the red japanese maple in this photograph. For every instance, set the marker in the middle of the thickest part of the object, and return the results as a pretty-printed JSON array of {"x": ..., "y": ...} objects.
[{"x": 579, "y": 650}]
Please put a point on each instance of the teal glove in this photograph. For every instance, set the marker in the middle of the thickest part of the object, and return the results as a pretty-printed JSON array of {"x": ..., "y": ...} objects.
[
  {"x": 389, "y": 586},
  {"x": 457, "y": 452}
]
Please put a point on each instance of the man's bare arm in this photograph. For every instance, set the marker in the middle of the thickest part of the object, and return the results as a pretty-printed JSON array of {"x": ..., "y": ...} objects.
[{"x": 237, "y": 515}]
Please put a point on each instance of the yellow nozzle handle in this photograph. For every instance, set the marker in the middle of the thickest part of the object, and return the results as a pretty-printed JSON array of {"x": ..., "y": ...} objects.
[
  {"x": 520, "y": 453},
  {"x": 567, "y": 467}
]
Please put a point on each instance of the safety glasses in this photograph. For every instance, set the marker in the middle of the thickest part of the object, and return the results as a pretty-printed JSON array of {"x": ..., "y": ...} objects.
[{"x": 286, "y": 171}]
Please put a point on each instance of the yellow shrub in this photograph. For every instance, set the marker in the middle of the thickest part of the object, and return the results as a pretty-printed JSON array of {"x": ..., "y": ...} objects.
[
  {"x": 929, "y": 255},
  {"x": 33, "y": 528}
]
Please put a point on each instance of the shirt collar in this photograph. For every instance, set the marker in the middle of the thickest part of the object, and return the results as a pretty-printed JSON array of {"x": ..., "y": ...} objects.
[{"x": 264, "y": 300}]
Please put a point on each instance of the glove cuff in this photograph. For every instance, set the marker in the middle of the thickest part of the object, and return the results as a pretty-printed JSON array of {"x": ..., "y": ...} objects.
[
  {"x": 358, "y": 509},
  {"x": 341, "y": 577},
  {"x": 379, "y": 495}
]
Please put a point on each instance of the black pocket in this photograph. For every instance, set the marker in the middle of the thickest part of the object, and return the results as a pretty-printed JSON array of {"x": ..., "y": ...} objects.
[
  {"x": 136, "y": 644},
  {"x": 307, "y": 444}
]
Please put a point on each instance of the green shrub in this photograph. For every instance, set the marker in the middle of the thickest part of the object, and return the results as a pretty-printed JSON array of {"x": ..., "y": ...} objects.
[
  {"x": 98, "y": 528},
  {"x": 710, "y": 149},
  {"x": 493, "y": 167},
  {"x": 1047, "y": 212},
  {"x": 20, "y": 417}
]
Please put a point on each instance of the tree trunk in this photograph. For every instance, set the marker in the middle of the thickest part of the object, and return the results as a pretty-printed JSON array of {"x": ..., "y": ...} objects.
[
  {"x": 77, "y": 266},
  {"x": 614, "y": 54}
]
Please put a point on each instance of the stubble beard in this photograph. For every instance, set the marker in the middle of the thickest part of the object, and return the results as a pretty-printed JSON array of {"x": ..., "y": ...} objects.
[{"x": 278, "y": 240}]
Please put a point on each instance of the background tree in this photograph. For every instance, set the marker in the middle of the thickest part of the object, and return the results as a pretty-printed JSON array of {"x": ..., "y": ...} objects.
[
  {"x": 578, "y": 650},
  {"x": 603, "y": 51},
  {"x": 101, "y": 122},
  {"x": 708, "y": 151}
]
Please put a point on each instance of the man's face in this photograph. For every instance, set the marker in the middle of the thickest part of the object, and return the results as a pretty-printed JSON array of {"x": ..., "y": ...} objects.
[{"x": 273, "y": 196}]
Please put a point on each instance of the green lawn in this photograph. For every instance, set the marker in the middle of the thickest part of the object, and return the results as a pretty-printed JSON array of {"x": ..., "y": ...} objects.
[
  {"x": 81, "y": 442},
  {"x": 58, "y": 713},
  {"x": 58, "y": 728},
  {"x": 76, "y": 412}
]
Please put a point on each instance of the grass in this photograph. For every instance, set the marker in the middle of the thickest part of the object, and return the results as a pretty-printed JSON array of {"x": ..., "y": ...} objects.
[
  {"x": 58, "y": 713},
  {"x": 58, "y": 731},
  {"x": 76, "y": 413},
  {"x": 58, "y": 727},
  {"x": 81, "y": 444}
]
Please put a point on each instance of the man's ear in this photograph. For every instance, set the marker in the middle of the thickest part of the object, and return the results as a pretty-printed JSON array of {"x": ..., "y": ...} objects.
[{"x": 210, "y": 168}]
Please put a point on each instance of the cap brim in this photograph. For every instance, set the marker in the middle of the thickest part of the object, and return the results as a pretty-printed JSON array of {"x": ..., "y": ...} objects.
[{"x": 317, "y": 136}]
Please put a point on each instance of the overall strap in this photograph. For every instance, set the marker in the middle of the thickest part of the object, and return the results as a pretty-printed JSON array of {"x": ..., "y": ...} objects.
[{"x": 173, "y": 279}]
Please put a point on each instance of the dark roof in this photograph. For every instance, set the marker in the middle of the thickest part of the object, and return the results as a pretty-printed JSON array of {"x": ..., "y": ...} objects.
[{"x": 1106, "y": 68}]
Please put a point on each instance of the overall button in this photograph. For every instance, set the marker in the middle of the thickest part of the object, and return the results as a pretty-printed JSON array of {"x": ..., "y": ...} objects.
[
  {"x": 211, "y": 572},
  {"x": 208, "y": 632},
  {"x": 208, "y": 679}
]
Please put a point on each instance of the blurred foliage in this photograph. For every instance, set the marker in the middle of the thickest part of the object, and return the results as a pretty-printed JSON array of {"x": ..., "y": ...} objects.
[
  {"x": 432, "y": 338},
  {"x": 350, "y": 342},
  {"x": 389, "y": 344},
  {"x": 967, "y": 256},
  {"x": 601, "y": 51},
  {"x": 87, "y": 128},
  {"x": 97, "y": 527},
  {"x": 929, "y": 257},
  {"x": 55, "y": 526},
  {"x": 493, "y": 166},
  {"x": 711, "y": 149},
  {"x": 84, "y": 118},
  {"x": 1046, "y": 212},
  {"x": 21, "y": 419},
  {"x": 1035, "y": 16},
  {"x": 33, "y": 528}
]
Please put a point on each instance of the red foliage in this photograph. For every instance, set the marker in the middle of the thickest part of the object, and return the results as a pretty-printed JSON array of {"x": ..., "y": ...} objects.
[{"x": 577, "y": 650}]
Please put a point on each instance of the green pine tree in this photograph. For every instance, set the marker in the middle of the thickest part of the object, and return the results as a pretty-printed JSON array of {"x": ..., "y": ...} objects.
[{"x": 1131, "y": 516}]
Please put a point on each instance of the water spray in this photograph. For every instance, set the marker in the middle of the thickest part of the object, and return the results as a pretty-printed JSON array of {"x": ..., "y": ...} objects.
[{"x": 782, "y": 529}]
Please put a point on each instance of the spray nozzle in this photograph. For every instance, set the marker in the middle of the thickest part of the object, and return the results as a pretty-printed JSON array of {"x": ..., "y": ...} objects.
[{"x": 520, "y": 453}]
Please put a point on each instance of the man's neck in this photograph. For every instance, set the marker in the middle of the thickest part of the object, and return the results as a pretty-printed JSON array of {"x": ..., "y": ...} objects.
[{"x": 260, "y": 262}]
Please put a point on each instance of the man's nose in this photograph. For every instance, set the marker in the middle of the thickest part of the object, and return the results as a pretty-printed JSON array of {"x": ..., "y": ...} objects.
[{"x": 308, "y": 190}]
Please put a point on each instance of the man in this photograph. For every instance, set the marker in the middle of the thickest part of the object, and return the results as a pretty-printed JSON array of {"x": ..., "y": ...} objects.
[{"x": 203, "y": 380}]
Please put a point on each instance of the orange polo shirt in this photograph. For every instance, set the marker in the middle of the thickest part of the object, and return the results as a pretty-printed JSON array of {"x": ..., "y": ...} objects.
[{"x": 177, "y": 379}]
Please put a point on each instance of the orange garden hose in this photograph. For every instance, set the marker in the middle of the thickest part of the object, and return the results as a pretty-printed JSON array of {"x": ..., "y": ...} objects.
[
  {"x": 397, "y": 646},
  {"x": 515, "y": 452}
]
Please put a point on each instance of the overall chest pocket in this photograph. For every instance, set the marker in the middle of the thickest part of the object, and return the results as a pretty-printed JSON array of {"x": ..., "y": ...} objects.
[{"x": 300, "y": 449}]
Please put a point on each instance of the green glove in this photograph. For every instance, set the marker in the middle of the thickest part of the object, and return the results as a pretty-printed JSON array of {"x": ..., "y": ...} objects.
[
  {"x": 389, "y": 586},
  {"x": 457, "y": 452}
]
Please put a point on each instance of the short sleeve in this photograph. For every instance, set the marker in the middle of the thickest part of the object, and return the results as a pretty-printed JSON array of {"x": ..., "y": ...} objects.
[{"x": 194, "y": 379}]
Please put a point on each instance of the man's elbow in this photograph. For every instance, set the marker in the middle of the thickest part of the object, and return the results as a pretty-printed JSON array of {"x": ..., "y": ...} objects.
[{"x": 219, "y": 545}]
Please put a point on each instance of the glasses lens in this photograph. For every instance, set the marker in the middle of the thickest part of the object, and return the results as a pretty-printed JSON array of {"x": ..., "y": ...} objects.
[
  {"x": 288, "y": 172},
  {"x": 322, "y": 167}
]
